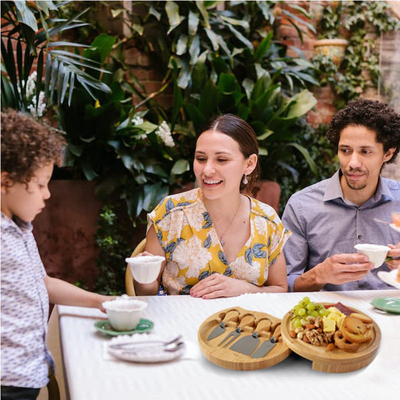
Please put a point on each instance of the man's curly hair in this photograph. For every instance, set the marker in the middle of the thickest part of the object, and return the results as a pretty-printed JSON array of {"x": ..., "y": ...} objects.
[
  {"x": 376, "y": 116},
  {"x": 27, "y": 145}
]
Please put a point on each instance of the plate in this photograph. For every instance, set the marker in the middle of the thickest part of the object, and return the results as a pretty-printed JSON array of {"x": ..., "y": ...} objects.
[
  {"x": 105, "y": 327},
  {"x": 152, "y": 353},
  {"x": 336, "y": 361},
  {"x": 396, "y": 228},
  {"x": 388, "y": 304},
  {"x": 389, "y": 278}
]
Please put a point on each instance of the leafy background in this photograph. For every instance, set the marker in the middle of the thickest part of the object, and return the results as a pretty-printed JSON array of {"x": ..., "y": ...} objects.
[{"x": 213, "y": 58}]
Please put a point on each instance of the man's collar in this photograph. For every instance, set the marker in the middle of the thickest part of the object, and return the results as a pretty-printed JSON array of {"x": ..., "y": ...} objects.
[{"x": 334, "y": 190}]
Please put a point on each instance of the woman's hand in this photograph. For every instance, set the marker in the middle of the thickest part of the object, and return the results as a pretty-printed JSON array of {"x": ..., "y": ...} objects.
[{"x": 217, "y": 285}]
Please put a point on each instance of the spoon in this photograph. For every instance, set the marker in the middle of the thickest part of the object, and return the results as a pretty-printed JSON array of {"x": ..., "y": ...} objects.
[{"x": 129, "y": 345}]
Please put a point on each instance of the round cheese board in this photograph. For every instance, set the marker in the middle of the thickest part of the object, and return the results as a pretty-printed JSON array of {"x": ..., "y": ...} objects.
[
  {"x": 335, "y": 361},
  {"x": 224, "y": 336}
]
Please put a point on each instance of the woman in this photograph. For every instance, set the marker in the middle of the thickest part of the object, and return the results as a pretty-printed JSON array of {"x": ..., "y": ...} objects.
[{"x": 214, "y": 233}]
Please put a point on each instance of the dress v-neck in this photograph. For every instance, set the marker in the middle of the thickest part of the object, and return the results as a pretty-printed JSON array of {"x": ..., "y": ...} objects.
[{"x": 248, "y": 241}]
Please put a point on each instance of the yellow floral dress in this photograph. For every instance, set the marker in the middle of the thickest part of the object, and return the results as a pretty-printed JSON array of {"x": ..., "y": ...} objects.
[{"x": 193, "y": 250}]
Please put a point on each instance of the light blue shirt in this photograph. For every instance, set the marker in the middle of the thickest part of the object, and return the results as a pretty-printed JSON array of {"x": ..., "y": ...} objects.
[
  {"x": 24, "y": 308},
  {"x": 324, "y": 223}
]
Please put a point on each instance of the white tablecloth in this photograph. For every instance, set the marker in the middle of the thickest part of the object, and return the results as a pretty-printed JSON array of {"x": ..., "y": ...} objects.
[{"x": 91, "y": 377}]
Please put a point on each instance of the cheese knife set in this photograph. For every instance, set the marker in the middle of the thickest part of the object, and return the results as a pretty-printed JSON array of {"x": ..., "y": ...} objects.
[{"x": 242, "y": 340}]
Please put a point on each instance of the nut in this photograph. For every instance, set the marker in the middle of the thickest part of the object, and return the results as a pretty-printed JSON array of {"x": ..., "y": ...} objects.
[
  {"x": 298, "y": 330},
  {"x": 305, "y": 339},
  {"x": 292, "y": 334},
  {"x": 330, "y": 347},
  {"x": 300, "y": 335},
  {"x": 310, "y": 326}
]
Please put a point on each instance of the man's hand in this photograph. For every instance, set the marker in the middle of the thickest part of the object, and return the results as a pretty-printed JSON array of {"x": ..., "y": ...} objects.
[
  {"x": 395, "y": 253},
  {"x": 342, "y": 268}
]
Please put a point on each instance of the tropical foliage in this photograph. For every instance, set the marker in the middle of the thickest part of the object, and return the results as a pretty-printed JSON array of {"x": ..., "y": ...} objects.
[{"x": 30, "y": 28}]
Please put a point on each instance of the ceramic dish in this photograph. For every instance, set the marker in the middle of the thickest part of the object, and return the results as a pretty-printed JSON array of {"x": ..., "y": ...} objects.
[
  {"x": 389, "y": 278},
  {"x": 396, "y": 228},
  {"x": 105, "y": 327},
  {"x": 388, "y": 304},
  {"x": 152, "y": 352}
]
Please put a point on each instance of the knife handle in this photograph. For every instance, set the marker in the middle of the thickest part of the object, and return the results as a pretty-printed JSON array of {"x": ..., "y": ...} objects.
[
  {"x": 263, "y": 326},
  {"x": 277, "y": 334},
  {"x": 247, "y": 322},
  {"x": 231, "y": 315},
  {"x": 275, "y": 324}
]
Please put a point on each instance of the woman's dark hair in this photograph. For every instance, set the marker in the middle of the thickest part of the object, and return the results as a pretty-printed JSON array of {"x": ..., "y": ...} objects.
[
  {"x": 376, "y": 116},
  {"x": 27, "y": 145},
  {"x": 240, "y": 131}
]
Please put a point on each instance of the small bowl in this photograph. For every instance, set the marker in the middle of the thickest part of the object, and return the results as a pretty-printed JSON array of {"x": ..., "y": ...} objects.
[
  {"x": 123, "y": 313},
  {"x": 376, "y": 253},
  {"x": 145, "y": 269}
]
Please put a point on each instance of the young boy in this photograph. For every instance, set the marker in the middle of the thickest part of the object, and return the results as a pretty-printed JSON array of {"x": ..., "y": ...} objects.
[{"x": 28, "y": 153}]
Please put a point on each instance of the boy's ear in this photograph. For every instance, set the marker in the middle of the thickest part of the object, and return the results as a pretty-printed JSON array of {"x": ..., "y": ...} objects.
[{"x": 5, "y": 181}]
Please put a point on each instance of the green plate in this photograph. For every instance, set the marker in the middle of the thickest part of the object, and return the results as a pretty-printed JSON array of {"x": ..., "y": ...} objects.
[
  {"x": 105, "y": 327},
  {"x": 388, "y": 304}
]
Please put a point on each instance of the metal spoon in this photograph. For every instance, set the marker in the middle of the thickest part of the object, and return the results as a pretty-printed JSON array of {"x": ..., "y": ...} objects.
[
  {"x": 129, "y": 345},
  {"x": 171, "y": 348}
]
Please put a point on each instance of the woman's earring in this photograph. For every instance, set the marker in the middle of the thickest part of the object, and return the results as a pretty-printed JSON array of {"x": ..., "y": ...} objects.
[{"x": 245, "y": 181}]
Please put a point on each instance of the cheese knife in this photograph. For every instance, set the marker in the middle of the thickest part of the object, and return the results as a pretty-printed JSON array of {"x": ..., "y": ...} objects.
[{"x": 231, "y": 315}]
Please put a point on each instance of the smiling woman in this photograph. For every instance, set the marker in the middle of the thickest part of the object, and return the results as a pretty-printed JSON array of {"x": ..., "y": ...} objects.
[{"x": 214, "y": 233}]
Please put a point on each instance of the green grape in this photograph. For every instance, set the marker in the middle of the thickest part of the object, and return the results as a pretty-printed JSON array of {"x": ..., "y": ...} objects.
[
  {"x": 297, "y": 323},
  {"x": 302, "y": 311},
  {"x": 296, "y": 309},
  {"x": 323, "y": 312},
  {"x": 314, "y": 314},
  {"x": 311, "y": 306},
  {"x": 306, "y": 300}
]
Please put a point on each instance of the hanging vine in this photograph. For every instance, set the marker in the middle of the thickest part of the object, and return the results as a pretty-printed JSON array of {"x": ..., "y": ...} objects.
[{"x": 360, "y": 22}]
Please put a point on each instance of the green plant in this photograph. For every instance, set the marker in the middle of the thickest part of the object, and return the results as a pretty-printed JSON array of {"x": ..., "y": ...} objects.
[
  {"x": 113, "y": 249},
  {"x": 359, "y": 21},
  {"x": 31, "y": 26},
  {"x": 227, "y": 61}
]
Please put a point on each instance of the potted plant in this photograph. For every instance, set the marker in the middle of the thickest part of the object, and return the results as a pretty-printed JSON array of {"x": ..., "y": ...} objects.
[{"x": 329, "y": 44}]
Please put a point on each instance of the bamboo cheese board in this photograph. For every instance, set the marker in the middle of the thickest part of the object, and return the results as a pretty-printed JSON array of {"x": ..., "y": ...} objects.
[
  {"x": 335, "y": 361},
  {"x": 224, "y": 335}
]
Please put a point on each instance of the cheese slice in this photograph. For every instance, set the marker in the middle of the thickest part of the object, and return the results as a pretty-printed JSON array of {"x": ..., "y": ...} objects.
[{"x": 329, "y": 324}]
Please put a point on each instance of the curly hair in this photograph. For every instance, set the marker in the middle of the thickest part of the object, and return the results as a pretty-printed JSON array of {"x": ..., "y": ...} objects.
[
  {"x": 27, "y": 145},
  {"x": 376, "y": 116}
]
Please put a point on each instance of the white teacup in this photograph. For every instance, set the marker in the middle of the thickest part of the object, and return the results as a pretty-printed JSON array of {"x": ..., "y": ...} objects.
[
  {"x": 124, "y": 313},
  {"x": 376, "y": 253},
  {"x": 145, "y": 269}
]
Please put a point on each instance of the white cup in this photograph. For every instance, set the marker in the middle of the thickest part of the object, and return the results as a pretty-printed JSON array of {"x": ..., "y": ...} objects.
[
  {"x": 124, "y": 314},
  {"x": 145, "y": 269},
  {"x": 376, "y": 253}
]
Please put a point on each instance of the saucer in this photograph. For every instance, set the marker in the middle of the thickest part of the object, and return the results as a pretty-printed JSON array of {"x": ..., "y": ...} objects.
[
  {"x": 105, "y": 327},
  {"x": 388, "y": 304},
  {"x": 148, "y": 352},
  {"x": 389, "y": 278}
]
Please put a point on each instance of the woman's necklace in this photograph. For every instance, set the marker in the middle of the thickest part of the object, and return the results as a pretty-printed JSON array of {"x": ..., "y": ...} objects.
[{"x": 222, "y": 241}]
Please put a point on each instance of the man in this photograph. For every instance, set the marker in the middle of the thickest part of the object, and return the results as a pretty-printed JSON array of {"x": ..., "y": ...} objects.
[{"x": 329, "y": 218}]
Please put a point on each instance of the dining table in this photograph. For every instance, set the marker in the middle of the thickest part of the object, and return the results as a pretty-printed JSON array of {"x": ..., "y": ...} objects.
[{"x": 92, "y": 374}]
